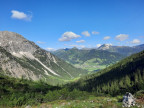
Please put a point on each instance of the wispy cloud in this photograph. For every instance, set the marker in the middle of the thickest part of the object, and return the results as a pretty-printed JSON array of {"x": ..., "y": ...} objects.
[
  {"x": 85, "y": 33},
  {"x": 95, "y": 32},
  {"x": 39, "y": 42},
  {"x": 80, "y": 41},
  {"x": 21, "y": 15},
  {"x": 68, "y": 36},
  {"x": 122, "y": 37},
  {"x": 135, "y": 41},
  {"x": 50, "y": 49},
  {"x": 106, "y": 37}
]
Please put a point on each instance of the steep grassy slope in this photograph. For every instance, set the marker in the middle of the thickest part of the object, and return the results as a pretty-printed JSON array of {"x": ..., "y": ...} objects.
[
  {"x": 15, "y": 92},
  {"x": 124, "y": 76},
  {"x": 92, "y": 60}
]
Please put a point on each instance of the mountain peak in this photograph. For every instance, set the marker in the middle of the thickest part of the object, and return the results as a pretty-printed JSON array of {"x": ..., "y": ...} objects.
[
  {"x": 75, "y": 48},
  {"x": 105, "y": 46},
  {"x": 66, "y": 49},
  {"x": 14, "y": 42},
  {"x": 10, "y": 34}
]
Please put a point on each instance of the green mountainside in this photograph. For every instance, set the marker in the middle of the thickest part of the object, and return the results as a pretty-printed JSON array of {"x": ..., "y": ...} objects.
[
  {"x": 124, "y": 76},
  {"x": 91, "y": 60}
]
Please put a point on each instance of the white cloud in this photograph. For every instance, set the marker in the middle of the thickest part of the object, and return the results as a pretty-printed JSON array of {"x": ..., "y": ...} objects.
[
  {"x": 80, "y": 41},
  {"x": 50, "y": 49},
  {"x": 39, "y": 42},
  {"x": 98, "y": 45},
  {"x": 68, "y": 36},
  {"x": 21, "y": 15},
  {"x": 95, "y": 33},
  {"x": 122, "y": 37},
  {"x": 135, "y": 41},
  {"x": 85, "y": 33},
  {"x": 107, "y": 37},
  {"x": 78, "y": 46}
]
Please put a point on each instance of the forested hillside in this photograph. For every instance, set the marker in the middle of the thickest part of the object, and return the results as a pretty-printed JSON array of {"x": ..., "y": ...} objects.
[
  {"x": 92, "y": 60},
  {"x": 124, "y": 76}
]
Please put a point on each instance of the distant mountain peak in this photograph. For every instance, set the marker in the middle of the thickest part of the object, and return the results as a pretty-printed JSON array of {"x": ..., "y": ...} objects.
[
  {"x": 66, "y": 49},
  {"x": 105, "y": 46},
  {"x": 75, "y": 48}
]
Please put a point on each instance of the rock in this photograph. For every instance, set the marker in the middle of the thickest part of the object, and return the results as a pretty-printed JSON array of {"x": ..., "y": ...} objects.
[
  {"x": 128, "y": 100},
  {"x": 28, "y": 106}
]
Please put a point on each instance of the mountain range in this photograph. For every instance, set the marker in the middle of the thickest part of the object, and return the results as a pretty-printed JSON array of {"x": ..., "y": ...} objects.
[
  {"x": 94, "y": 59},
  {"x": 124, "y": 50},
  {"x": 21, "y": 58}
]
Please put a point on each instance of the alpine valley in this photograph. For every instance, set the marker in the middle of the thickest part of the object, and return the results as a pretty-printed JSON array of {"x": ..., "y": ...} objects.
[
  {"x": 31, "y": 77},
  {"x": 95, "y": 59},
  {"x": 71, "y": 53}
]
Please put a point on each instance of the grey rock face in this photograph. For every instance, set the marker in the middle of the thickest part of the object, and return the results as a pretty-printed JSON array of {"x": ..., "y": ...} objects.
[
  {"x": 20, "y": 57},
  {"x": 11, "y": 67},
  {"x": 28, "y": 106},
  {"x": 14, "y": 42},
  {"x": 128, "y": 100}
]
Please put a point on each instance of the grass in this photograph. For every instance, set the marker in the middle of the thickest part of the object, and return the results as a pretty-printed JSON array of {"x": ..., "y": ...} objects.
[
  {"x": 91, "y": 67},
  {"x": 91, "y": 102}
]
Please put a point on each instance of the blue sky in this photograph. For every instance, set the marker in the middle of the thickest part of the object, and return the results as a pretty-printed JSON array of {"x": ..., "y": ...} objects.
[{"x": 68, "y": 23}]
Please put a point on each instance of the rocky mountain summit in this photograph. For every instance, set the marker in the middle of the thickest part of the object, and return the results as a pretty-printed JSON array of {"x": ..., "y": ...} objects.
[
  {"x": 124, "y": 50},
  {"x": 15, "y": 43},
  {"x": 22, "y": 58},
  {"x": 105, "y": 47}
]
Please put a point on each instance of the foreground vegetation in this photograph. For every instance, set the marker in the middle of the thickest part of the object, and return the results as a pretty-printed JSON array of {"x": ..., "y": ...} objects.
[
  {"x": 98, "y": 90},
  {"x": 18, "y": 92}
]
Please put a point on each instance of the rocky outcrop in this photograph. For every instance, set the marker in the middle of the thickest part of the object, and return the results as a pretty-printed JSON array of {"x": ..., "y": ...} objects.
[
  {"x": 28, "y": 106},
  {"x": 128, "y": 100}
]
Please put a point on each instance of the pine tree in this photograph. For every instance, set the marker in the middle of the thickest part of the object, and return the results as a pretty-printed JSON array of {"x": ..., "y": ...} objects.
[
  {"x": 136, "y": 78},
  {"x": 127, "y": 81},
  {"x": 139, "y": 76}
]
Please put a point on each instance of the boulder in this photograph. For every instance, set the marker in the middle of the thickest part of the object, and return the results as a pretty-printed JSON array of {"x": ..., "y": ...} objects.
[
  {"x": 28, "y": 106},
  {"x": 128, "y": 100}
]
